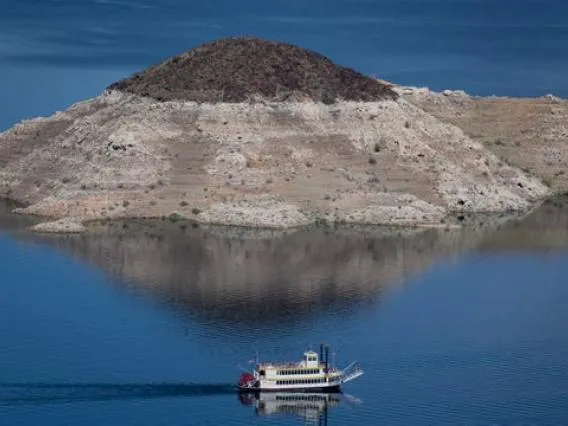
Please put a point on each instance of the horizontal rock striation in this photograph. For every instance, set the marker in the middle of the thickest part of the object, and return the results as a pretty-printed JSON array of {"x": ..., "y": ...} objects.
[{"x": 368, "y": 157}]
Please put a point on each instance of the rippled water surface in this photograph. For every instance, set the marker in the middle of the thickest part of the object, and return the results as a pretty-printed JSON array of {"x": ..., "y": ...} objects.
[
  {"x": 56, "y": 52},
  {"x": 146, "y": 324}
]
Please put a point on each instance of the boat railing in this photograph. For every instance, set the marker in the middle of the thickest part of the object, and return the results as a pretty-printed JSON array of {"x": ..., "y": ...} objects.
[{"x": 281, "y": 364}]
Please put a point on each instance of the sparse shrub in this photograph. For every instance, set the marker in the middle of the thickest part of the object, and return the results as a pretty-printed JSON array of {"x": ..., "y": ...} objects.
[
  {"x": 174, "y": 217},
  {"x": 327, "y": 98},
  {"x": 153, "y": 203},
  {"x": 322, "y": 222},
  {"x": 83, "y": 186},
  {"x": 372, "y": 161},
  {"x": 125, "y": 203},
  {"x": 183, "y": 203},
  {"x": 377, "y": 147},
  {"x": 407, "y": 124},
  {"x": 195, "y": 210},
  {"x": 309, "y": 164}
]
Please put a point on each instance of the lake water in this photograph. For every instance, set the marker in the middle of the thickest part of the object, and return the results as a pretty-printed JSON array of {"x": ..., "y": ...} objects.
[
  {"x": 147, "y": 323},
  {"x": 55, "y": 52}
]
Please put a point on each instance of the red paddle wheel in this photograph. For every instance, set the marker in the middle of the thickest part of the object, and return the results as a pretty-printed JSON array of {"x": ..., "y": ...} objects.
[{"x": 247, "y": 381}]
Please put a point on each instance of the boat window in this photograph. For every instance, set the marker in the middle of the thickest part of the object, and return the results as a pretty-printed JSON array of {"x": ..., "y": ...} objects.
[{"x": 262, "y": 372}]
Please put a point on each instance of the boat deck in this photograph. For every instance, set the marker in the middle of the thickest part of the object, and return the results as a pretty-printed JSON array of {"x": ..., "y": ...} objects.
[{"x": 287, "y": 365}]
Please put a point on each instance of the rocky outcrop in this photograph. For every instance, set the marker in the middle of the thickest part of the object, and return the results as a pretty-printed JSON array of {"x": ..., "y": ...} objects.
[
  {"x": 249, "y": 70},
  {"x": 392, "y": 159},
  {"x": 528, "y": 133},
  {"x": 272, "y": 164},
  {"x": 61, "y": 226}
]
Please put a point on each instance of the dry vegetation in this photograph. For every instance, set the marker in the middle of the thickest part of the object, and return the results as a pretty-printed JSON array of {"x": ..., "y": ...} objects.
[{"x": 242, "y": 69}]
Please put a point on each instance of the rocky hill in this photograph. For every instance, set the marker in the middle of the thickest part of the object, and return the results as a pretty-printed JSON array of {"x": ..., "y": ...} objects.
[
  {"x": 370, "y": 153},
  {"x": 245, "y": 69}
]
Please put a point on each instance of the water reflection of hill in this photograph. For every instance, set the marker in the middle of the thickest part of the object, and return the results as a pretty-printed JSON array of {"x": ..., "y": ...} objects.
[
  {"x": 257, "y": 279},
  {"x": 210, "y": 273},
  {"x": 9, "y": 221},
  {"x": 543, "y": 230}
]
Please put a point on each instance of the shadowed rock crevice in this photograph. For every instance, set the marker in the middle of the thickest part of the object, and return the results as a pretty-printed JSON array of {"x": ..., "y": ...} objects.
[{"x": 239, "y": 69}]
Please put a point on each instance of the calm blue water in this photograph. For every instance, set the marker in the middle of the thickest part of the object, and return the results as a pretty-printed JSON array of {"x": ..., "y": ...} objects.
[
  {"x": 146, "y": 326},
  {"x": 55, "y": 52}
]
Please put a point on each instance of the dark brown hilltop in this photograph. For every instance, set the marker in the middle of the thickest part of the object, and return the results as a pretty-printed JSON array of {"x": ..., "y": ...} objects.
[{"x": 240, "y": 69}]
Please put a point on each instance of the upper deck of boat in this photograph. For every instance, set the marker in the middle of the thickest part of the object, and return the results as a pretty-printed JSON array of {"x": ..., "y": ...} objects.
[{"x": 290, "y": 366}]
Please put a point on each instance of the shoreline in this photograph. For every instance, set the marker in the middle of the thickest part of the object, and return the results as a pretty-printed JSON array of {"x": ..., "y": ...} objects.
[
  {"x": 409, "y": 163},
  {"x": 66, "y": 225}
]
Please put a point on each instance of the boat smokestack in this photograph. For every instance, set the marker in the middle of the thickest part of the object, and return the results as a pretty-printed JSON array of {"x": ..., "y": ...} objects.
[
  {"x": 326, "y": 358},
  {"x": 321, "y": 352}
]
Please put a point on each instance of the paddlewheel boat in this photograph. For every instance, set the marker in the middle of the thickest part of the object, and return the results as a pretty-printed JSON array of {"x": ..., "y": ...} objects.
[{"x": 313, "y": 373}]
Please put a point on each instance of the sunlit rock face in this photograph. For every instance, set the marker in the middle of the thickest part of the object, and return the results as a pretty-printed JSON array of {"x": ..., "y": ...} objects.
[{"x": 293, "y": 140}]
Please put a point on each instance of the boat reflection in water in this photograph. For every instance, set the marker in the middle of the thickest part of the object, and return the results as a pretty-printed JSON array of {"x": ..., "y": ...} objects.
[{"x": 312, "y": 408}]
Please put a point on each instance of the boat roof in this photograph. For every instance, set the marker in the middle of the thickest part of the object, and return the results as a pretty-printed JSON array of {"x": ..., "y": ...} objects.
[{"x": 282, "y": 364}]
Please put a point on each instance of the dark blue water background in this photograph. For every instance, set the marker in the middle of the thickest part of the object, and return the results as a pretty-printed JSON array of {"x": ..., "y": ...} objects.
[
  {"x": 147, "y": 324},
  {"x": 55, "y": 52}
]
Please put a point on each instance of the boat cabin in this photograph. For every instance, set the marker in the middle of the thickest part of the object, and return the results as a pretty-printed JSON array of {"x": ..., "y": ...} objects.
[{"x": 309, "y": 366}]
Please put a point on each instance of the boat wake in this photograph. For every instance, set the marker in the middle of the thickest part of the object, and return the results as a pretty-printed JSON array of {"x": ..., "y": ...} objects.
[{"x": 14, "y": 394}]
